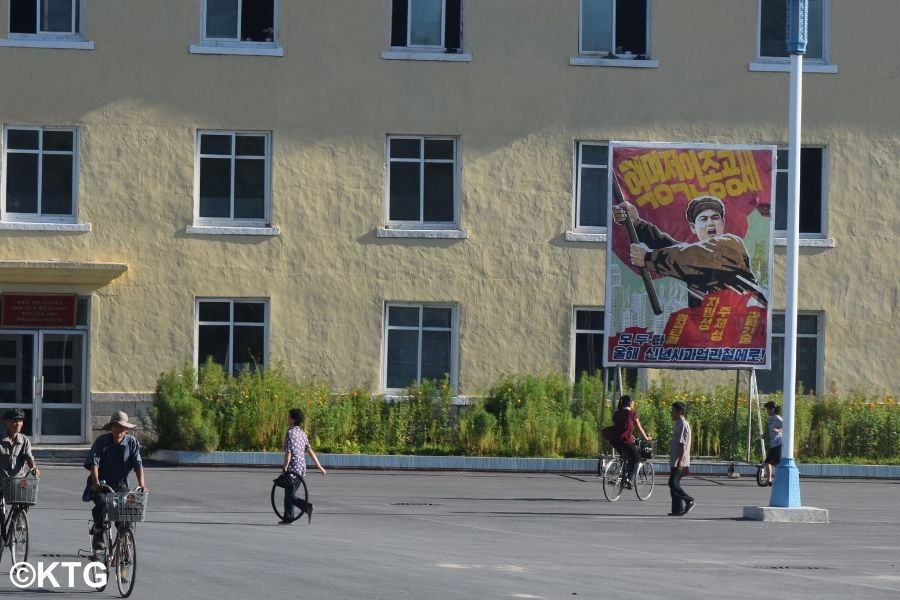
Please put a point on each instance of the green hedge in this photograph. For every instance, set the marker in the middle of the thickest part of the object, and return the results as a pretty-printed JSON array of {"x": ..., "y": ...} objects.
[{"x": 520, "y": 415}]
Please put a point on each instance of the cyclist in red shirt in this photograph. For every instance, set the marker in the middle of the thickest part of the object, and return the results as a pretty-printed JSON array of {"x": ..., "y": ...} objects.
[{"x": 624, "y": 421}]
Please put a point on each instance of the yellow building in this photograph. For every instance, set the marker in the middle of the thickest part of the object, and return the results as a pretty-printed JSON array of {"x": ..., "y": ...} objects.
[{"x": 372, "y": 191}]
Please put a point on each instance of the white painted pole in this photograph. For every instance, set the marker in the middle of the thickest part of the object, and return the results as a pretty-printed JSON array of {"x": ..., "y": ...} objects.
[
  {"x": 793, "y": 251},
  {"x": 786, "y": 491}
]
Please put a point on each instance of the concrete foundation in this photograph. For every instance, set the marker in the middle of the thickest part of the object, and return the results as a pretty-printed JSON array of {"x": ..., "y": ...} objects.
[{"x": 800, "y": 514}]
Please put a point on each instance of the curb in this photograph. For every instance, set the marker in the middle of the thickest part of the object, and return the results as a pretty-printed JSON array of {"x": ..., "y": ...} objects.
[{"x": 497, "y": 464}]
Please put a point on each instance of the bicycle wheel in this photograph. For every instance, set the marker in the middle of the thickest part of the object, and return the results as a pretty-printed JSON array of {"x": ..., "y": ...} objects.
[
  {"x": 612, "y": 480},
  {"x": 277, "y": 498},
  {"x": 762, "y": 479},
  {"x": 644, "y": 481},
  {"x": 125, "y": 561},
  {"x": 18, "y": 535}
]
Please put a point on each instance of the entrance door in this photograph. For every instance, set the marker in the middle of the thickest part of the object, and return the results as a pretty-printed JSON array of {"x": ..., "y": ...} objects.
[{"x": 43, "y": 373}]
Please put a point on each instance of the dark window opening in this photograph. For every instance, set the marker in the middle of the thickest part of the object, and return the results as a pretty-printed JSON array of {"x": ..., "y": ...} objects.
[
  {"x": 22, "y": 16},
  {"x": 810, "y": 190},
  {"x": 631, "y": 26},
  {"x": 258, "y": 20}
]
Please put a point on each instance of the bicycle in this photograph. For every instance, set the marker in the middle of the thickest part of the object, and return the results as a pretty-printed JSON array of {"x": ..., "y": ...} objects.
[
  {"x": 280, "y": 483},
  {"x": 125, "y": 509},
  {"x": 20, "y": 493},
  {"x": 643, "y": 481},
  {"x": 761, "y": 472}
]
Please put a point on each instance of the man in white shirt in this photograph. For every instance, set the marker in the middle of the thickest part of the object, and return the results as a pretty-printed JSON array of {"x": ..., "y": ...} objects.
[{"x": 679, "y": 461}]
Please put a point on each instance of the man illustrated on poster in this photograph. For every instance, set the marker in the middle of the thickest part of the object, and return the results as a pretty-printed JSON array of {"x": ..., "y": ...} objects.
[{"x": 717, "y": 261}]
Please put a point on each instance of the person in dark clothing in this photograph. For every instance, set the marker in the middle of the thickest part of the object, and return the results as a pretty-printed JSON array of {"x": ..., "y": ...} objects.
[
  {"x": 113, "y": 456},
  {"x": 717, "y": 261},
  {"x": 624, "y": 421}
]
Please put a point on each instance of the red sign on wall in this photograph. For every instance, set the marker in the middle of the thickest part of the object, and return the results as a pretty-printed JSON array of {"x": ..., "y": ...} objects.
[{"x": 38, "y": 310}]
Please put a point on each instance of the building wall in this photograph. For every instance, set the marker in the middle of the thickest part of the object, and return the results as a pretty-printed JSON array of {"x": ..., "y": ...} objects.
[{"x": 518, "y": 108}]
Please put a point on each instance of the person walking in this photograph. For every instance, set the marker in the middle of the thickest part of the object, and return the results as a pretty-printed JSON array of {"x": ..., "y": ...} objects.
[
  {"x": 679, "y": 461},
  {"x": 773, "y": 425},
  {"x": 296, "y": 446}
]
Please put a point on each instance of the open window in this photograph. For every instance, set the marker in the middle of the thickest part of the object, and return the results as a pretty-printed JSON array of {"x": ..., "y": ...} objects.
[
  {"x": 613, "y": 28},
  {"x": 45, "y": 17},
  {"x": 812, "y": 198},
  {"x": 434, "y": 25}
]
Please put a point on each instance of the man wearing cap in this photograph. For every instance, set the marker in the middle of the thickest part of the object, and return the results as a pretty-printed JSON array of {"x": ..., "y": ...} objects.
[
  {"x": 112, "y": 457},
  {"x": 774, "y": 425},
  {"x": 15, "y": 449},
  {"x": 715, "y": 262}
]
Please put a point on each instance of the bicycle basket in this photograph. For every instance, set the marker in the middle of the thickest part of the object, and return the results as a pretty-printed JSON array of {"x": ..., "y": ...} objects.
[
  {"x": 646, "y": 450},
  {"x": 20, "y": 490},
  {"x": 126, "y": 506}
]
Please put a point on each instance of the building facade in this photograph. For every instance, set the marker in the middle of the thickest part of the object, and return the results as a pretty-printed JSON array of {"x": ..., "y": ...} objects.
[{"x": 372, "y": 192}]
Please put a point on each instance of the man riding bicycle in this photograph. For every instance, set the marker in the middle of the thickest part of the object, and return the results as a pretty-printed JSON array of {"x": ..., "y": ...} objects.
[
  {"x": 16, "y": 458},
  {"x": 112, "y": 457}
]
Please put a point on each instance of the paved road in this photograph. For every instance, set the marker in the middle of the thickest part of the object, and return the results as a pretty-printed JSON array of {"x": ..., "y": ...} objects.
[{"x": 449, "y": 536}]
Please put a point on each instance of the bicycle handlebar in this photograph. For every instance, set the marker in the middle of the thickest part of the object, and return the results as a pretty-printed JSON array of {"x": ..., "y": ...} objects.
[
  {"x": 106, "y": 488},
  {"x": 5, "y": 473}
]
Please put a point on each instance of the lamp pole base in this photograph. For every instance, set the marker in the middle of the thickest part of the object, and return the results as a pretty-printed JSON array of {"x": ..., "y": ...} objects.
[{"x": 786, "y": 489}]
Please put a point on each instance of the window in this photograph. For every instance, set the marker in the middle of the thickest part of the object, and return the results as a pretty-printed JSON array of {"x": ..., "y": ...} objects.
[
  {"x": 39, "y": 174},
  {"x": 239, "y": 20},
  {"x": 773, "y": 28},
  {"x": 232, "y": 333},
  {"x": 420, "y": 344},
  {"x": 248, "y": 27},
  {"x": 56, "y": 18},
  {"x": 613, "y": 27},
  {"x": 592, "y": 192},
  {"x": 808, "y": 353},
  {"x": 422, "y": 181},
  {"x": 589, "y": 348},
  {"x": 811, "y": 197},
  {"x": 427, "y": 25},
  {"x": 233, "y": 178}
]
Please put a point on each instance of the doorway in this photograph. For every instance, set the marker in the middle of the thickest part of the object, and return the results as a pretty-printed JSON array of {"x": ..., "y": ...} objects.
[{"x": 43, "y": 372}]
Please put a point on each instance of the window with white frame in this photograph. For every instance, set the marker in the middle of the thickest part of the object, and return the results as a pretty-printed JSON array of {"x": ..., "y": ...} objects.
[
  {"x": 588, "y": 341},
  {"x": 420, "y": 343},
  {"x": 773, "y": 27},
  {"x": 592, "y": 192},
  {"x": 427, "y": 25},
  {"x": 811, "y": 190},
  {"x": 39, "y": 174},
  {"x": 616, "y": 27},
  {"x": 588, "y": 355},
  {"x": 422, "y": 181},
  {"x": 809, "y": 339},
  {"x": 240, "y": 21},
  {"x": 232, "y": 333},
  {"x": 233, "y": 177},
  {"x": 51, "y": 18}
]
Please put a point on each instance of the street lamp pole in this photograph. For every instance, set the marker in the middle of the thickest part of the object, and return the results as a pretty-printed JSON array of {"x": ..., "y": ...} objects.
[{"x": 786, "y": 490}]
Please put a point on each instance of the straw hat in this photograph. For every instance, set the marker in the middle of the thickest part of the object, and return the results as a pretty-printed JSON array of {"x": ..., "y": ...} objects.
[{"x": 119, "y": 418}]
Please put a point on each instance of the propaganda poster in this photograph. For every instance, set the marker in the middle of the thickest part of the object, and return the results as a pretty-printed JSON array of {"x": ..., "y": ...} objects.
[{"x": 689, "y": 256}]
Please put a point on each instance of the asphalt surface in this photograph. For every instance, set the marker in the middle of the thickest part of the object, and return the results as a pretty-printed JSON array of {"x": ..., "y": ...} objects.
[{"x": 446, "y": 536}]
